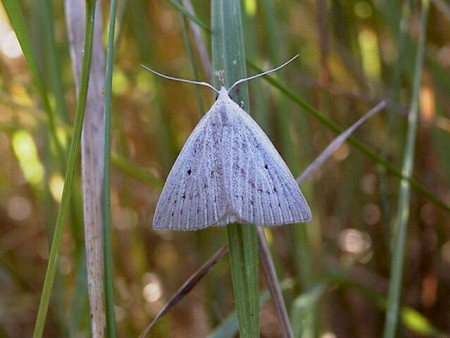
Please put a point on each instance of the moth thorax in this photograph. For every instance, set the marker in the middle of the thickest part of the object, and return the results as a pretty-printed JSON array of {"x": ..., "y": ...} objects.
[{"x": 224, "y": 118}]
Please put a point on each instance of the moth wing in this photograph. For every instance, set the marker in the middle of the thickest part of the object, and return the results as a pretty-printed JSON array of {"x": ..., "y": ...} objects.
[
  {"x": 261, "y": 188},
  {"x": 191, "y": 198}
]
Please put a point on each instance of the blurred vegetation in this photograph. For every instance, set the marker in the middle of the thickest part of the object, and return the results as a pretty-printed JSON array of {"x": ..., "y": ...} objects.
[{"x": 335, "y": 270}]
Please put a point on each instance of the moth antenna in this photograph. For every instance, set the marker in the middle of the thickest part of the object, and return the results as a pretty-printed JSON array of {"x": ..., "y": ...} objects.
[
  {"x": 200, "y": 83},
  {"x": 262, "y": 74}
]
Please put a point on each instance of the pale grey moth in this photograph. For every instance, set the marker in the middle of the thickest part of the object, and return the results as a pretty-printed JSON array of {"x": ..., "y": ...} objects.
[{"x": 228, "y": 171}]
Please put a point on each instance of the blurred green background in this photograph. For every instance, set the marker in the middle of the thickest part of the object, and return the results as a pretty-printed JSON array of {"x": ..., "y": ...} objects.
[{"x": 335, "y": 269}]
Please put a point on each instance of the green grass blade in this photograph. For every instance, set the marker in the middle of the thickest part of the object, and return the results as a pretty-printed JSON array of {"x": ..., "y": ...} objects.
[
  {"x": 228, "y": 328},
  {"x": 273, "y": 284},
  {"x": 393, "y": 305},
  {"x": 53, "y": 60},
  {"x": 135, "y": 171},
  {"x": 303, "y": 308},
  {"x": 70, "y": 171},
  {"x": 402, "y": 35},
  {"x": 17, "y": 20},
  {"x": 228, "y": 55},
  {"x": 244, "y": 270},
  {"x": 189, "y": 15},
  {"x": 92, "y": 159},
  {"x": 109, "y": 285},
  {"x": 79, "y": 311},
  {"x": 188, "y": 45}
]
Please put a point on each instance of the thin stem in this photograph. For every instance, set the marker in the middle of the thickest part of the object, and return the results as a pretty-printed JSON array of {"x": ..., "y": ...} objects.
[{"x": 393, "y": 306}]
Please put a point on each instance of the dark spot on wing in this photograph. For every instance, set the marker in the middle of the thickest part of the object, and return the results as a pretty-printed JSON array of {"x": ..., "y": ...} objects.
[
  {"x": 266, "y": 166},
  {"x": 189, "y": 171}
]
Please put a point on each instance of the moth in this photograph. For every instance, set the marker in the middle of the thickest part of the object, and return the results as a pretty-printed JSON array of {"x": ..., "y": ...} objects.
[{"x": 228, "y": 171}]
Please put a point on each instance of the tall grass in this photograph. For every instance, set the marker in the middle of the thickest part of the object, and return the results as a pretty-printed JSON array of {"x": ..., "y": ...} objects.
[
  {"x": 374, "y": 260},
  {"x": 229, "y": 56}
]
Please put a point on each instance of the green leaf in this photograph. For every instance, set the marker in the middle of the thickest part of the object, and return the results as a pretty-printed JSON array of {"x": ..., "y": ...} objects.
[
  {"x": 229, "y": 57},
  {"x": 70, "y": 171}
]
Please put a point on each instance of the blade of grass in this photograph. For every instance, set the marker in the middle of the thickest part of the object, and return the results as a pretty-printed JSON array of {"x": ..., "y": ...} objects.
[
  {"x": 79, "y": 311},
  {"x": 109, "y": 285},
  {"x": 187, "y": 286},
  {"x": 70, "y": 171},
  {"x": 189, "y": 15},
  {"x": 53, "y": 59},
  {"x": 199, "y": 44},
  {"x": 324, "y": 155},
  {"x": 91, "y": 157},
  {"x": 402, "y": 36},
  {"x": 304, "y": 307},
  {"x": 393, "y": 306},
  {"x": 17, "y": 20},
  {"x": 228, "y": 56},
  {"x": 136, "y": 172},
  {"x": 228, "y": 328},
  {"x": 273, "y": 285},
  {"x": 244, "y": 272},
  {"x": 189, "y": 50}
]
